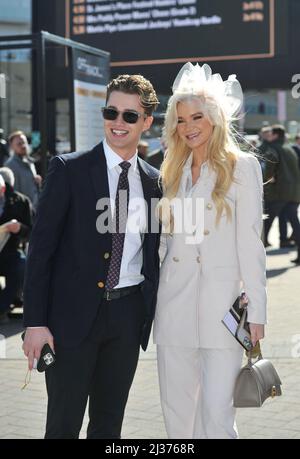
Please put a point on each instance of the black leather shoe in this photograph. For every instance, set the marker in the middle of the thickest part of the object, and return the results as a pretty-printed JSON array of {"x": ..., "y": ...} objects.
[
  {"x": 296, "y": 261},
  {"x": 287, "y": 245},
  {"x": 4, "y": 319}
]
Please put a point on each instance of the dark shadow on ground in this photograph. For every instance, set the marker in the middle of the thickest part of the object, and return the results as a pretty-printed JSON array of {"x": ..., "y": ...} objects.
[
  {"x": 276, "y": 272},
  {"x": 14, "y": 326},
  {"x": 272, "y": 252}
]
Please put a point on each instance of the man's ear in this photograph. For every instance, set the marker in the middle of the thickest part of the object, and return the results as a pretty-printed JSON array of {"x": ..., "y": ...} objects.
[{"x": 147, "y": 123}]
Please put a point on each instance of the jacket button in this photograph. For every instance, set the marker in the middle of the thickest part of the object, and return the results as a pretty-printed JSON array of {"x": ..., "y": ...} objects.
[
  {"x": 106, "y": 256},
  {"x": 175, "y": 259},
  {"x": 198, "y": 259},
  {"x": 101, "y": 284},
  {"x": 206, "y": 232},
  {"x": 209, "y": 206}
]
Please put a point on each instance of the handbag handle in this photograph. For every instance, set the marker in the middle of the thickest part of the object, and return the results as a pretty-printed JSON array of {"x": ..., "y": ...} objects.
[{"x": 254, "y": 353}]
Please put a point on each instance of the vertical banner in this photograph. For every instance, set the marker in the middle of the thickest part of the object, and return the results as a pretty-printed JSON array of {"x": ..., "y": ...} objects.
[
  {"x": 91, "y": 75},
  {"x": 281, "y": 106}
]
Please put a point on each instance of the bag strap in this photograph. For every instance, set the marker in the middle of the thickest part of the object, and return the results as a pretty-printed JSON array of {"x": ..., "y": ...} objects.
[{"x": 255, "y": 353}]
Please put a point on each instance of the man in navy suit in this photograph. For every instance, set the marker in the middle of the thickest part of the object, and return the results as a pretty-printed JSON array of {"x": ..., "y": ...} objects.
[{"x": 90, "y": 287}]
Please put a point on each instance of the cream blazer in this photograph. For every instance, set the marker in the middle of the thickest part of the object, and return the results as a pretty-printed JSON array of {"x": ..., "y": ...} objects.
[{"x": 199, "y": 282}]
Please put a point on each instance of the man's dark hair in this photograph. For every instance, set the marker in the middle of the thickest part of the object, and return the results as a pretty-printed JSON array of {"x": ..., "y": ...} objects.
[
  {"x": 135, "y": 84},
  {"x": 297, "y": 136},
  {"x": 279, "y": 130}
]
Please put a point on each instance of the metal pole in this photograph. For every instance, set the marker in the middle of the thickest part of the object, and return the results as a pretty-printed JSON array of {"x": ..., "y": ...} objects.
[
  {"x": 9, "y": 92},
  {"x": 71, "y": 99},
  {"x": 42, "y": 99}
]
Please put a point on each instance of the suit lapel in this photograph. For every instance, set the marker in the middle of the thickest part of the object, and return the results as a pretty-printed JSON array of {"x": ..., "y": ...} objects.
[
  {"x": 149, "y": 184},
  {"x": 98, "y": 172},
  {"x": 99, "y": 180}
]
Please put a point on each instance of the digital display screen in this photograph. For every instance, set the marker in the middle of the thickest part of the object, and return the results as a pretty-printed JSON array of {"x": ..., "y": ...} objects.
[
  {"x": 172, "y": 31},
  {"x": 256, "y": 39}
]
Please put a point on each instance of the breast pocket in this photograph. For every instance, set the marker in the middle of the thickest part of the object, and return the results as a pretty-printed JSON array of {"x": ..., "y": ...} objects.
[{"x": 169, "y": 269}]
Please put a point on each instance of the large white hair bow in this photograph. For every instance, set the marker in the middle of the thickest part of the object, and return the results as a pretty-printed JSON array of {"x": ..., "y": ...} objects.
[{"x": 197, "y": 80}]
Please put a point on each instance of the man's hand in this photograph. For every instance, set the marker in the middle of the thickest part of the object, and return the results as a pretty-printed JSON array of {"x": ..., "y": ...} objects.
[
  {"x": 13, "y": 227},
  {"x": 35, "y": 338},
  {"x": 38, "y": 180}
]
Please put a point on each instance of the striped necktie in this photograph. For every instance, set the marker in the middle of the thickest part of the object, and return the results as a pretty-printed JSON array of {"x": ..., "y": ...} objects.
[{"x": 120, "y": 220}]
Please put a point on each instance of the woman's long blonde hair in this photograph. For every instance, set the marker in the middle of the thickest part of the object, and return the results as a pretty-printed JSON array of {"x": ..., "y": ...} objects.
[{"x": 222, "y": 151}]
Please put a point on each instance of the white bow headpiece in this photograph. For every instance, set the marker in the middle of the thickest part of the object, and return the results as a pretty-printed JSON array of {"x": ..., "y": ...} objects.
[{"x": 197, "y": 80}]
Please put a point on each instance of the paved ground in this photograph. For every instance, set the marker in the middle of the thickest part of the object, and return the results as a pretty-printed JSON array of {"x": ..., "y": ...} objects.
[{"x": 22, "y": 413}]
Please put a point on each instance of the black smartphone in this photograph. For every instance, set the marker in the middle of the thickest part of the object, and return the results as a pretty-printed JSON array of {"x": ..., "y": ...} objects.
[{"x": 46, "y": 359}]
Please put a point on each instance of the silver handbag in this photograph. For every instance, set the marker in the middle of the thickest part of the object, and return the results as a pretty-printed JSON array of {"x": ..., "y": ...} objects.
[{"x": 255, "y": 383}]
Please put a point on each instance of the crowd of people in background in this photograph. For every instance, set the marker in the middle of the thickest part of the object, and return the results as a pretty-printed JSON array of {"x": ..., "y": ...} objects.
[
  {"x": 281, "y": 170},
  {"x": 19, "y": 191},
  {"x": 20, "y": 186}
]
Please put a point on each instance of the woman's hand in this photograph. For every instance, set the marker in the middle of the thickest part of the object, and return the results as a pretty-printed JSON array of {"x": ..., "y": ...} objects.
[
  {"x": 257, "y": 332},
  {"x": 12, "y": 227}
]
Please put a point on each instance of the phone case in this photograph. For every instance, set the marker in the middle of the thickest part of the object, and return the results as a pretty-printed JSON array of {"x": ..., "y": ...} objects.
[
  {"x": 243, "y": 332},
  {"x": 46, "y": 359},
  {"x": 235, "y": 320}
]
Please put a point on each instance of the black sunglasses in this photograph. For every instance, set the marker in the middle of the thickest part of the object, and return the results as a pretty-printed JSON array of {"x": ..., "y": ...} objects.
[{"x": 129, "y": 116}]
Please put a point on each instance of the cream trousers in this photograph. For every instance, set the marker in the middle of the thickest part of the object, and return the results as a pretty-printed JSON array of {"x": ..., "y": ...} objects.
[{"x": 196, "y": 389}]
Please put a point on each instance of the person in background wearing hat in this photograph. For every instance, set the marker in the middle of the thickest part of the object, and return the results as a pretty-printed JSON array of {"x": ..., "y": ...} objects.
[{"x": 206, "y": 258}]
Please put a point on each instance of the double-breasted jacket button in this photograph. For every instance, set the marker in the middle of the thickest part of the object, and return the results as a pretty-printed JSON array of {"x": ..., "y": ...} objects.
[
  {"x": 209, "y": 206},
  {"x": 175, "y": 259},
  {"x": 106, "y": 256},
  {"x": 206, "y": 232},
  {"x": 101, "y": 284}
]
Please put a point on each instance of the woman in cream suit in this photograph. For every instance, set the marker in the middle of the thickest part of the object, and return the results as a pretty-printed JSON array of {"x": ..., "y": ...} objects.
[{"x": 209, "y": 260}]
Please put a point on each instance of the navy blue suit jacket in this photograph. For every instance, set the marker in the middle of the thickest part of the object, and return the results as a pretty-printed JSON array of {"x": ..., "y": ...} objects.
[{"x": 66, "y": 263}]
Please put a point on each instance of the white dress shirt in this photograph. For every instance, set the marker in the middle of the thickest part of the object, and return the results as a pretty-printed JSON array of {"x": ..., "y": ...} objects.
[{"x": 132, "y": 260}]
